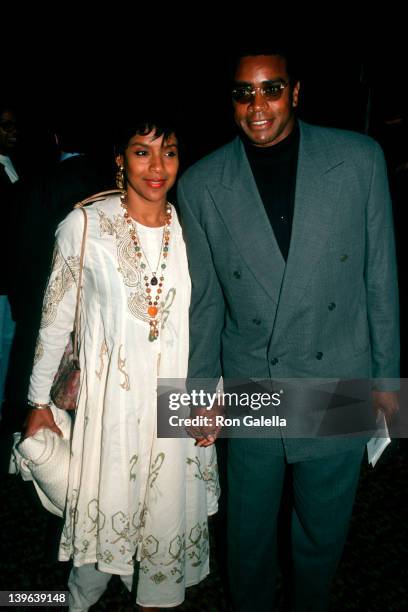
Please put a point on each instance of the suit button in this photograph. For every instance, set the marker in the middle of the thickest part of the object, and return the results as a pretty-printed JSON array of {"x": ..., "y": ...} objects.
[
  {"x": 332, "y": 306},
  {"x": 344, "y": 257},
  {"x": 319, "y": 355},
  {"x": 256, "y": 321},
  {"x": 237, "y": 274},
  {"x": 274, "y": 361}
]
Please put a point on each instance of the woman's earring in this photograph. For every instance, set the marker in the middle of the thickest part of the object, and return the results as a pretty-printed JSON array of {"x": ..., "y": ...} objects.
[{"x": 120, "y": 178}]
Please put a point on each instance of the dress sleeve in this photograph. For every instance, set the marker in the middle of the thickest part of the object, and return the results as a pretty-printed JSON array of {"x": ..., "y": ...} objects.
[{"x": 58, "y": 310}]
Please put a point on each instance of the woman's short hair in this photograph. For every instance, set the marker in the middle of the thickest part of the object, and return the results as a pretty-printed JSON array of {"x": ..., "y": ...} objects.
[{"x": 160, "y": 126}]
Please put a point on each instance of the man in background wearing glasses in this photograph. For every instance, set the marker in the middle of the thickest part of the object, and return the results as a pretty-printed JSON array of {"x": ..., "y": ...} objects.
[{"x": 291, "y": 254}]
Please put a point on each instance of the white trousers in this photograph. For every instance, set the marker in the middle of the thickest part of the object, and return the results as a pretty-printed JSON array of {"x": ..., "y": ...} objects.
[{"x": 87, "y": 584}]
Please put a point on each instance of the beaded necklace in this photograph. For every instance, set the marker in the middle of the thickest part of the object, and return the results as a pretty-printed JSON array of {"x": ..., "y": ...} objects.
[{"x": 152, "y": 303}]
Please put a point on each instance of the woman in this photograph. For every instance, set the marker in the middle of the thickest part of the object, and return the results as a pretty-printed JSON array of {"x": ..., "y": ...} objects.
[{"x": 130, "y": 496}]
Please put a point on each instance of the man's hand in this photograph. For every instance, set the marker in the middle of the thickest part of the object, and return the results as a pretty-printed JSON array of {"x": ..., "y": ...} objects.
[
  {"x": 40, "y": 419},
  {"x": 206, "y": 434},
  {"x": 386, "y": 402}
]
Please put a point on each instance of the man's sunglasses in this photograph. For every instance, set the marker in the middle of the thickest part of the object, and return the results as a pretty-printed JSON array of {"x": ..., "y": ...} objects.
[{"x": 245, "y": 94}]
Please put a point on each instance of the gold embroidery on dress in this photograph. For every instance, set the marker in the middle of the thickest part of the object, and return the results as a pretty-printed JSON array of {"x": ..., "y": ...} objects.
[
  {"x": 102, "y": 353},
  {"x": 39, "y": 351},
  {"x": 64, "y": 275},
  {"x": 70, "y": 523},
  {"x": 150, "y": 548},
  {"x": 57, "y": 259},
  {"x": 121, "y": 367},
  {"x": 197, "y": 548},
  {"x": 96, "y": 516},
  {"x": 139, "y": 520},
  {"x": 128, "y": 264},
  {"x": 207, "y": 473},
  {"x": 105, "y": 224},
  {"x": 155, "y": 468},
  {"x": 129, "y": 267},
  {"x": 159, "y": 577},
  {"x": 137, "y": 306},
  {"x": 133, "y": 466},
  {"x": 107, "y": 556},
  {"x": 121, "y": 526},
  {"x": 166, "y": 305}
]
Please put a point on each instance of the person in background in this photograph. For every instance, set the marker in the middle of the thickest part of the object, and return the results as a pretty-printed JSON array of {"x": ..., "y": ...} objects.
[
  {"x": 46, "y": 197},
  {"x": 8, "y": 179}
]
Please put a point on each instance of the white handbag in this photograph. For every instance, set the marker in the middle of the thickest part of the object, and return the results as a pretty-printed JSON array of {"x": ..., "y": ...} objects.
[{"x": 44, "y": 458}]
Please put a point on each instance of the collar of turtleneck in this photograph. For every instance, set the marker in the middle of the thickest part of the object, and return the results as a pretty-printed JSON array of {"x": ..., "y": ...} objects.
[{"x": 279, "y": 153}]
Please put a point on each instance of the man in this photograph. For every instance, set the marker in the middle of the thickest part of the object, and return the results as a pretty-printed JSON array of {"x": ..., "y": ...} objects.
[
  {"x": 8, "y": 179},
  {"x": 291, "y": 254},
  {"x": 46, "y": 198}
]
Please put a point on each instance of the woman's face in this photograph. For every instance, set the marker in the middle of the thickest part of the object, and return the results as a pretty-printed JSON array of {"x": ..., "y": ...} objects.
[{"x": 151, "y": 166}]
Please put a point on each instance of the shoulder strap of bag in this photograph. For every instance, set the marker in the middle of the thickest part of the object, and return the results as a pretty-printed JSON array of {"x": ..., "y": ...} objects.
[
  {"x": 78, "y": 295},
  {"x": 97, "y": 196},
  {"x": 94, "y": 198}
]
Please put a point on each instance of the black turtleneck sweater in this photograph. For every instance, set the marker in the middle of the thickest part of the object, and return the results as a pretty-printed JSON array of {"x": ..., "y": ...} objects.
[{"x": 274, "y": 170}]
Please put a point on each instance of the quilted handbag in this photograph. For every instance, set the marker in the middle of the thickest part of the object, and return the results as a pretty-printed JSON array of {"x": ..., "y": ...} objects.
[{"x": 64, "y": 390}]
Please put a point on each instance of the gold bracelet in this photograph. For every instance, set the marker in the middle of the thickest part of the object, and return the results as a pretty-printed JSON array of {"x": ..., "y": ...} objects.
[{"x": 37, "y": 406}]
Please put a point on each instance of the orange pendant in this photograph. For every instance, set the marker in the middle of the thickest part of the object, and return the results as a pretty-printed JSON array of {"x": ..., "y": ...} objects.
[{"x": 152, "y": 311}]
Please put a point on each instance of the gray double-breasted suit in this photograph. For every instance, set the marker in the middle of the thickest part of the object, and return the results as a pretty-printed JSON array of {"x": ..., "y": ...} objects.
[
  {"x": 332, "y": 309},
  {"x": 329, "y": 312}
]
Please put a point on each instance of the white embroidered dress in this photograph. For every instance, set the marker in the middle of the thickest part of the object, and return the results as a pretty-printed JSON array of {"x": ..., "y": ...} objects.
[{"x": 129, "y": 492}]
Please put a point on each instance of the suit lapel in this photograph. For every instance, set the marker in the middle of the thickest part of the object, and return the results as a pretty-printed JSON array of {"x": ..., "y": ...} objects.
[
  {"x": 316, "y": 199},
  {"x": 239, "y": 204}
]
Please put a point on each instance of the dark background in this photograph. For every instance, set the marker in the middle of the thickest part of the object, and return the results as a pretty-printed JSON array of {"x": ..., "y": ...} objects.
[
  {"x": 96, "y": 81},
  {"x": 353, "y": 77},
  {"x": 95, "y": 77}
]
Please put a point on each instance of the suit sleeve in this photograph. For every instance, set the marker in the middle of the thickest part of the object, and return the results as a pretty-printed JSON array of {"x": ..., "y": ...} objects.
[
  {"x": 381, "y": 280},
  {"x": 207, "y": 306}
]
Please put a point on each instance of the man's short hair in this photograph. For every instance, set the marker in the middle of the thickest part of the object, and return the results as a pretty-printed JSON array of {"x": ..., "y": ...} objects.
[{"x": 285, "y": 51}]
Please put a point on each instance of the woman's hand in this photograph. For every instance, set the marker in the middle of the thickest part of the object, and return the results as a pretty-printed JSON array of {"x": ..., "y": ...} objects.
[
  {"x": 40, "y": 419},
  {"x": 207, "y": 433}
]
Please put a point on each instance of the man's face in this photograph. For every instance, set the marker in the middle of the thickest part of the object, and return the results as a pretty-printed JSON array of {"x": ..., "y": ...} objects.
[
  {"x": 8, "y": 132},
  {"x": 263, "y": 120}
]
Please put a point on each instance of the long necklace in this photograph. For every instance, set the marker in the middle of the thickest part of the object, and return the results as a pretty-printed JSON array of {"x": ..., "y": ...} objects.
[{"x": 154, "y": 281}]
